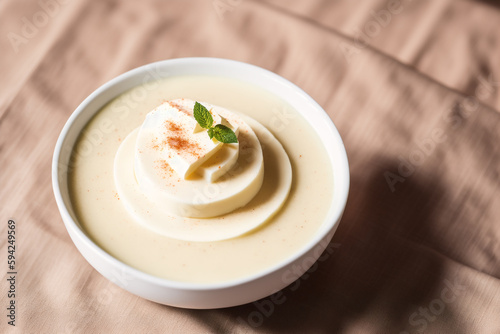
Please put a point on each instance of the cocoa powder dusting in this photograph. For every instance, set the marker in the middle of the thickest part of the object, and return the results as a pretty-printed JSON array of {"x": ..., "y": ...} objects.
[
  {"x": 159, "y": 145},
  {"x": 165, "y": 169},
  {"x": 183, "y": 145},
  {"x": 180, "y": 108},
  {"x": 171, "y": 126}
]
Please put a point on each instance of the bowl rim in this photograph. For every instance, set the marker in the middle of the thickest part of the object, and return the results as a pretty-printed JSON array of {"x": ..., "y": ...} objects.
[{"x": 341, "y": 189}]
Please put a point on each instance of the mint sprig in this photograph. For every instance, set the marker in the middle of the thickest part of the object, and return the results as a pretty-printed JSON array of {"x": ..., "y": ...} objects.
[
  {"x": 223, "y": 134},
  {"x": 202, "y": 116},
  {"x": 220, "y": 132}
]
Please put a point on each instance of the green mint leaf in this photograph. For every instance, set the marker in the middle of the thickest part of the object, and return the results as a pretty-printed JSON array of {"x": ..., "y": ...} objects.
[
  {"x": 202, "y": 116},
  {"x": 223, "y": 134},
  {"x": 220, "y": 132},
  {"x": 211, "y": 133}
]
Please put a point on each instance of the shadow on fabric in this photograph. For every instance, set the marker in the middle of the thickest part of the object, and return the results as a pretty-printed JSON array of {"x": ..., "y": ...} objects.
[{"x": 381, "y": 266}]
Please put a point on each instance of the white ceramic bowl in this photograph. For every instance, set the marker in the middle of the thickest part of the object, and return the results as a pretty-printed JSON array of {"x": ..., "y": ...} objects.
[{"x": 190, "y": 295}]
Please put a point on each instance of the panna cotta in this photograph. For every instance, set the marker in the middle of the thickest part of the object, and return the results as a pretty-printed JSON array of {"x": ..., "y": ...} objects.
[
  {"x": 189, "y": 205},
  {"x": 151, "y": 188}
]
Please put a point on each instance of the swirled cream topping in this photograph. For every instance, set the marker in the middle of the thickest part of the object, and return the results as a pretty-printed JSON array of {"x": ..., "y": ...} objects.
[{"x": 176, "y": 180}]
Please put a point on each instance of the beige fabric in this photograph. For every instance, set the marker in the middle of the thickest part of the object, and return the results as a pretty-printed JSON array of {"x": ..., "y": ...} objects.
[{"x": 423, "y": 256}]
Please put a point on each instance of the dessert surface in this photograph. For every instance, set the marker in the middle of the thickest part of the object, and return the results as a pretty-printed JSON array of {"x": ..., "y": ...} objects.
[{"x": 118, "y": 232}]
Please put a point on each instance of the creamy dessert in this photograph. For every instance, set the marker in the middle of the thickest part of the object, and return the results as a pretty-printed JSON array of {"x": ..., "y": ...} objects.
[
  {"x": 177, "y": 181},
  {"x": 170, "y": 195}
]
